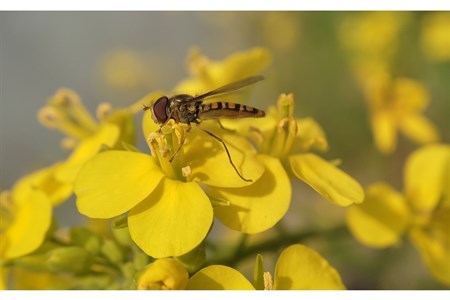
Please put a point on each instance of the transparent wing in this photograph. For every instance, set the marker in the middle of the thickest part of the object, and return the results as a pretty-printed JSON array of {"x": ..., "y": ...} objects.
[{"x": 230, "y": 87}]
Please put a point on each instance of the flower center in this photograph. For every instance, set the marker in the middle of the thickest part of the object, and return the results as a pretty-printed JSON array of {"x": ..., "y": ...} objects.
[
  {"x": 166, "y": 145},
  {"x": 279, "y": 144},
  {"x": 65, "y": 112}
]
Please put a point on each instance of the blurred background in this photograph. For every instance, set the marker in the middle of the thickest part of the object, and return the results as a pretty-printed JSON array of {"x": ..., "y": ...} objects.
[{"x": 120, "y": 57}]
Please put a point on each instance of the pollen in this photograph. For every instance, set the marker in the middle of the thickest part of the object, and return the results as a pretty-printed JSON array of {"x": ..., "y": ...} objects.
[
  {"x": 268, "y": 281},
  {"x": 186, "y": 171}
]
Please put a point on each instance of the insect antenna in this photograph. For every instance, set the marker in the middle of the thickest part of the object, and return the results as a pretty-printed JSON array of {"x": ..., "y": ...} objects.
[{"x": 228, "y": 152}]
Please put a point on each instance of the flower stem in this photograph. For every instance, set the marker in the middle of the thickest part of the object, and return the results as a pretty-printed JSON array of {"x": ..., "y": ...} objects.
[{"x": 242, "y": 252}]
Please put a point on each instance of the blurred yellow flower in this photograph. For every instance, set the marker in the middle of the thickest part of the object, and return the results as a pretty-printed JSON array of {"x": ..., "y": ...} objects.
[
  {"x": 25, "y": 217},
  {"x": 435, "y": 35},
  {"x": 397, "y": 105},
  {"x": 65, "y": 112},
  {"x": 163, "y": 274},
  {"x": 122, "y": 68},
  {"x": 371, "y": 38},
  {"x": 297, "y": 268},
  {"x": 420, "y": 211},
  {"x": 207, "y": 75},
  {"x": 280, "y": 135}
]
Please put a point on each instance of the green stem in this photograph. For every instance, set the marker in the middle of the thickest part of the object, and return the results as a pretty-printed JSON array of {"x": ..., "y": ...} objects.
[{"x": 274, "y": 244}]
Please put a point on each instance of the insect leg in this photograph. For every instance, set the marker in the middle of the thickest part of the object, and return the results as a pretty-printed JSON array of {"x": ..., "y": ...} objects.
[
  {"x": 228, "y": 153},
  {"x": 183, "y": 138}
]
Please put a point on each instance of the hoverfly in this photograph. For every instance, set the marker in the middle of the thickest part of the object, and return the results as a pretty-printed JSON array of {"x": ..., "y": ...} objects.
[{"x": 189, "y": 109}]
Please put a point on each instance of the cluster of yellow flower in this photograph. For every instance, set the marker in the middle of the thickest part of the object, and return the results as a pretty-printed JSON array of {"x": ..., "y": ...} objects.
[
  {"x": 161, "y": 211},
  {"x": 395, "y": 104}
]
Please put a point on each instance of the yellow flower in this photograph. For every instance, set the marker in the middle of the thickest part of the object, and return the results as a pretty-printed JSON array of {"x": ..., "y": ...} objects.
[
  {"x": 65, "y": 112},
  {"x": 280, "y": 136},
  {"x": 25, "y": 217},
  {"x": 297, "y": 268},
  {"x": 163, "y": 274},
  {"x": 371, "y": 39},
  {"x": 169, "y": 213},
  {"x": 207, "y": 75},
  {"x": 170, "y": 203},
  {"x": 421, "y": 211},
  {"x": 435, "y": 35},
  {"x": 397, "y": 105}
]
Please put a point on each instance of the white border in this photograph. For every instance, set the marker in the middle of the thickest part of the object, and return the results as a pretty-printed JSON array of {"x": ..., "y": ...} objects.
[
  {"x": 226, "y": 295},
  {"x": 202, "y": 5}
]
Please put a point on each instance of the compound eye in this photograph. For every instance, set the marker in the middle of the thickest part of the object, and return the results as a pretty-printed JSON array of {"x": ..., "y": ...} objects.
[{"x": 159, "y": 110}]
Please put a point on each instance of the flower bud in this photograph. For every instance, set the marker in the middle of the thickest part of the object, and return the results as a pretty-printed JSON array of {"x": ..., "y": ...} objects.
[
  {"x": 68, "y": 259},
  {"x": 112, "y": 251},
  {"x": 163, "y": 274}
]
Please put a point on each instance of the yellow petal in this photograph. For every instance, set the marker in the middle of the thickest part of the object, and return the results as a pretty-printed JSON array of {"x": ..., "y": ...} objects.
[
  {"x": 112, "y": 182},
  {"x": 209, "y": 161},
  {"x": 433, "y": 243},
  {"x": 32, "y": 212},
  {"x": 245, "y": 126},
  {"x": 218, "y": 277},
  {"x": 208, "y": 75},
  {"x": 107, "y": 135},
  {"x": 425, "y": 176},
  {"x": 257, "y": 207},
  {"x": 123, "y": 119},
  {"x": 301, "y": 268},
  {"x": 329, "y": 181},
  {"x": 310, "y": 135},
  {"x": 45, "y": 181},
  {"x": 382, "y": 219},
  {"x": 409, "y": 96},
  {"x": 384, "y": 130},
  {"x": 173, "y": 220},
  {"x": 163, "y": 274},
  {"x": 419, "y": 129}
]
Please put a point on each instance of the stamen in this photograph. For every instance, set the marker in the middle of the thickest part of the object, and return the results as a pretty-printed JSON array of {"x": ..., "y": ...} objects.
[
  {"x": 286, "y": 105},
  {"x": 268, "y": 282},
  {"x": 257, "y": 135},
  {"x": 69, "y": 143},
  {"x": 103, "y": 110},
  {"x": 49, "y": 117},
  {"x": 66, "y": 97},
  {"x": 292, "y": 129}
]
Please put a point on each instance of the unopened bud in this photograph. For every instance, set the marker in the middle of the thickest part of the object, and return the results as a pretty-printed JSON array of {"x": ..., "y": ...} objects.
[
  {"x": 163, "y": 274},
  {"x": 68, "y": 259}
]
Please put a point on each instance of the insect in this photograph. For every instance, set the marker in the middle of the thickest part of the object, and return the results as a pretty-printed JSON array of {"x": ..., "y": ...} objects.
[{"x": 189, "y": 109}]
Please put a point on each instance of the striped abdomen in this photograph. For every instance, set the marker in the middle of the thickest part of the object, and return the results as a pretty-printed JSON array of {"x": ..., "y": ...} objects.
[{"x": 229, "y": 110}]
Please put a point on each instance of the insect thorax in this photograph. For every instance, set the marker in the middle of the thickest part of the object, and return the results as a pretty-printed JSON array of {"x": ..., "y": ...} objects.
[{"x": 185, "y": 110}]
